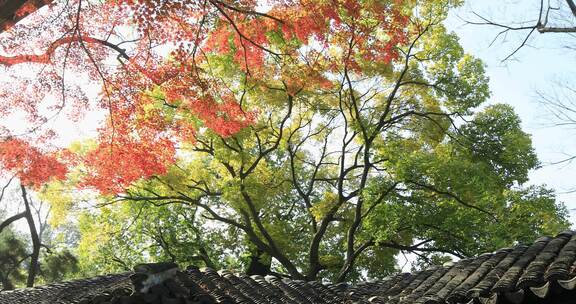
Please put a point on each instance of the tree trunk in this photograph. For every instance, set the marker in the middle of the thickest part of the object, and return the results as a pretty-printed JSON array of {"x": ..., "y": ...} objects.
[
  {"x": 7, "y": 284},
  {"x": 35, "y": 241},
  {"x": 257, "y": 266}
]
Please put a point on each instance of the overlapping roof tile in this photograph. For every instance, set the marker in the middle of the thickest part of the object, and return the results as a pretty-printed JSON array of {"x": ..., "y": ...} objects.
[{"x": 523, "y": 274}]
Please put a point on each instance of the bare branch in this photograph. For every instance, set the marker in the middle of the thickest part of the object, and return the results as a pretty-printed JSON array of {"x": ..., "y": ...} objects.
[
  {"x": 11, "y": 220},
  {"x": 5, "y": 187}
]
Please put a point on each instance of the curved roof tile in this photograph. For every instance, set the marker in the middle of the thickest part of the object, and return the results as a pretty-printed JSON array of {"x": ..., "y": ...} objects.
[{"x": 515, "y": 274}]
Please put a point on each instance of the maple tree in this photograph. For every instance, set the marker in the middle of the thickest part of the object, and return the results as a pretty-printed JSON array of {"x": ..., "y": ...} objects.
[{"x": 84, "y": 37}]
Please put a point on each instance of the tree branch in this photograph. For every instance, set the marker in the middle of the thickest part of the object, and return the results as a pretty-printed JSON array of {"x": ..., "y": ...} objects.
[
  {"x": 5, "y": 187},
  {"x": 572, "y": 6},
  {"x": 13, "y": 11},
  {"x": 11, "y": 219},
  {"x": 451, "y": 195},
  {"x": 46, "y": 56}
]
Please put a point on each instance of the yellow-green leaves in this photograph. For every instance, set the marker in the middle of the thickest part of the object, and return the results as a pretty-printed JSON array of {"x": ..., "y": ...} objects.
[
  {"x": 61, "y": 200},
  {"x": 327, "y": 202}
]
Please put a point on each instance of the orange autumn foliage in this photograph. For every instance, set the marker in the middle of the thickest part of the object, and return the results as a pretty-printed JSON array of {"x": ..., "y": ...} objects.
[
  {"x": 29, "y": 164},
  {"x": 120, "y": 164}
]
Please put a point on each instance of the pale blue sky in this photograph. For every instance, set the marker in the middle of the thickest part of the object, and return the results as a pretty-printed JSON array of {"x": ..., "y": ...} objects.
[{"x": 516, "y": 82}]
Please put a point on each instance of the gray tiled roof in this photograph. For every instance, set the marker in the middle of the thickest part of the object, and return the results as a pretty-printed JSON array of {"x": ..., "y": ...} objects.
[{"x": 545, "y": 269}]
